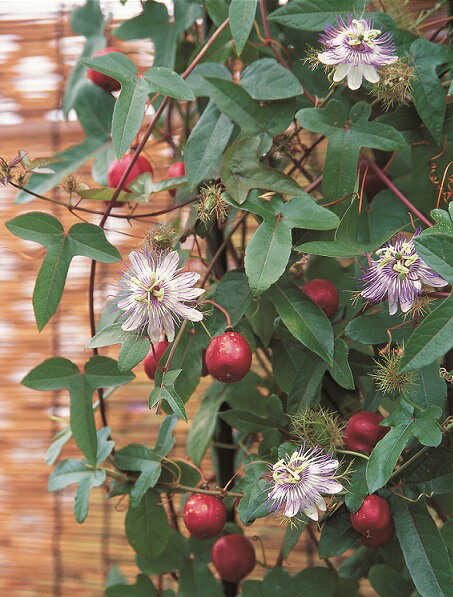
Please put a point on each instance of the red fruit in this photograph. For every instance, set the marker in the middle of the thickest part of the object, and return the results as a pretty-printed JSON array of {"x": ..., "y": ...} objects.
[
  {"x": 378, "y": 538},
  {"x": 117, "y": 169},
  {"x": 324, "y": 294},
  {"x": 233, "y": 557},
  {"x": 204, "y": 516},
  {"x": 228, "y": 357},
  {"x": 204, "y": 369},
  {"x": 149, "y": 362},
  {"x": 176, "y": 169},
  {"x": 373, "y": 515},
  {"x": 104, "y": 81},
  {"x": 363, "y": 431}
]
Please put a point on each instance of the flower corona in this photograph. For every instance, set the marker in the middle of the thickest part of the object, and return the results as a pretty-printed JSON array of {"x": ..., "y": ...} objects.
[
  {"x": 153, "y": 294},
  {"x": 356, "y": 50}
]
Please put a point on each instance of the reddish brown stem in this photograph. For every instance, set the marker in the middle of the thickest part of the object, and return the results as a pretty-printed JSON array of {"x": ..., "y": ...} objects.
[
  {"x": 398, "y": 193},
  {"x": 224, "y": 311}
]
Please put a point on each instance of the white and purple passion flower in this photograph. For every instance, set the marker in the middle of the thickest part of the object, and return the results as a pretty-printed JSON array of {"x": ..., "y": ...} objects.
[
  {"x": 398, "y": 274},
  {"x": 357, "y": 50},
  {"x": 300, "y": 480},
  {"x": 153, "y": 294}
]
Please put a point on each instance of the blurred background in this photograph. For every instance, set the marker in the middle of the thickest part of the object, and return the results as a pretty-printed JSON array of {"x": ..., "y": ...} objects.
[{"x": 43, "y": 551}]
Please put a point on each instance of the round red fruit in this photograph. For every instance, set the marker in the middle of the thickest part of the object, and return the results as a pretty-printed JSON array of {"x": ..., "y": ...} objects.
[
  {"x": 373, "y": 515},
  {"x": 118, "y": 167},
  {"x": 204, "y": 369},
  {"x": 363, "y": 431},
  {"x": 175, "y": 170},
  {"x": 233, "y": 557},
  {"x": 378, "y": 538},
  {"x": 228, "y": 357},
  {"x": 149, "y": 362},
  {"x": 204, "y": 516},
  {"x": 104, "y": 81},
  {"x": 324, "y": 294}
]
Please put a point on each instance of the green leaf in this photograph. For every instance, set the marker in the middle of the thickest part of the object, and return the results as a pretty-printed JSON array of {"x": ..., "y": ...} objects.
[
  {"x": 316, "y": 581},
  {"x": 267, "y": 254},
  {"x": 371, "y": 328},
  {"x": 254, "y": 503},
  {"x": 171, "y": 559},
  {"x": 305, "y": 389},
  {"x": 431, "y": 339},
  {"x": 111, "y": 334},
  {"x": 165, "y": 440},
  {"x": 444, "y": 221},
  {"x": 349, "y": 238},
  {"x": 242, "y": 15},
  {"x": 292, "y": 535},
  {"x": 347, "y": 135},
  {"x": 89, "y": 240},
  {"x": 265, "y": 79},
  {"x": 167, "y": 82},
  {"x": 305, "y": 320},
  {"x": 94, "y": 109},
  {"x": 203, "y": 424},
  {"x": 265, "y": 266},
  {"x": 242, "y": 172},
  {"x": 423, "y": 548},
  {"x": 82, "y": 239},
  {"x": 388, "y": 582},
  {"x": 341, "y": 371},
  {"x": 312, "y": 15},
  {"x": 234, "y": 101},
  {"x": 195, "y": 578},
  {"x": 72, "y": 471},
  {"x": 147, "y": 528},
  {"x": 167, "y": 392},
  {"x": 429, "y": 95},
  {"x": 337, "y": 534},
  {"x": 425, "y": 427},
  {"x": 206, "y": 144},
  {"x": 385, "y": 455},
  {"x": 432, "y": 472},
  {"x": 103, "y": 372},
  {"x": 69, "y": 160},
  {"x": 137, "y": 457},
  {"x": 429, "y": 388},
  {"x": 133, "y": 350},
  {"x": 187, "y": 360},
  {"x": 115, "y": 64},
  {"x": 86, "y": 20},
  {"x": 60, "y": 373},
  {"x": 68, "y": 472},
  {"x": 437, "y": 251},
  {"x": 128, "y": 114},
  {"x": 52, "y": 374},
  {"x": 142, "y": 588}
]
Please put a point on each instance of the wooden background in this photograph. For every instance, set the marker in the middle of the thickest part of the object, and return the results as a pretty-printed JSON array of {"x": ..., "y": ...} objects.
[{"x": 43, "y": 551}]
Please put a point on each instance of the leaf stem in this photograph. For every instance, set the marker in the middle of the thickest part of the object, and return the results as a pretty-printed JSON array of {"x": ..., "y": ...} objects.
[
  {"x": 398, "y": 193},
  {"x": 351, "y": 453},
  {"x": 224, "y": 311}
]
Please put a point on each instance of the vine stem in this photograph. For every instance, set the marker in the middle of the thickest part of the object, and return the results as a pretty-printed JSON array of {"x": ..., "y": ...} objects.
[
  {"x": 415, "y": 456},
  {"x": 117, "y": 191},
  {"x": 277, "y": 54},
  {"x": 216, "y": 492},
  {"x": 385, "y": 179},
  {"x": 224, "y": 311},
  {"x": 352, "y": 453}
]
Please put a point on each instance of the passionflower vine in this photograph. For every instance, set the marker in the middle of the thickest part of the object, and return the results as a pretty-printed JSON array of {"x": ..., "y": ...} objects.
[
  {"x": 398, "y": 274},
  {"x": 300, "y": 480},
  {"x": 153, "y": 294},
  {"x": 357, "y": 50}
]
